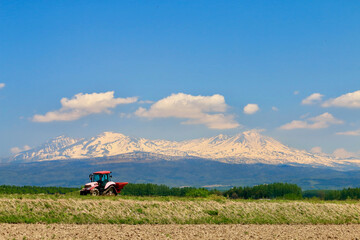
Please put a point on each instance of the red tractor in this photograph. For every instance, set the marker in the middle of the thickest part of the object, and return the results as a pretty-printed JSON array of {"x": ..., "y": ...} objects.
[{"x": 101, "y": 184}]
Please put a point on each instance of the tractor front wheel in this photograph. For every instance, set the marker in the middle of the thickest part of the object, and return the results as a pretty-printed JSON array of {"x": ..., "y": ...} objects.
[{"x": 94, "y": 192}]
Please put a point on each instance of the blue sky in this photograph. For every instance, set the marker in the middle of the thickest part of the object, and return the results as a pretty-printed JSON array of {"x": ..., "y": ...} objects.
[{"x": 269, "y": 53}]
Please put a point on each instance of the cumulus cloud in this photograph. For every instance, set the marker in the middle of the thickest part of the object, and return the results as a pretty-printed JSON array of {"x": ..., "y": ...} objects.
[
  {"x": 16, "y": 150},
  {"x": 343, "y": 153},
  {"x": 339, "y": 153},
  {"x": 296, "y": 92},
  {"x": 146, "y": 102},
  {"x": 2, "y": 85},
  {"x": 349, "y": 100},
  {"x": 207, "y": 110},
  {"x": 305, "y": 115},
  {"x": 82, "y": 105},
  {"x": 322, "y": 121},
  {"x": 316, "y": 150},
  {"x": 258, "y": 130},
  {"x": 274, "y": 109},
  {"x": 251, "y": 108},
  {"x": 312, "y": 99},
  {"x": 350, "y": 133}
]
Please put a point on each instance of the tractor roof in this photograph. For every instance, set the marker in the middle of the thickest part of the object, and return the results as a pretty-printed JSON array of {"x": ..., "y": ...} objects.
[{"x": 102, "y": 172}]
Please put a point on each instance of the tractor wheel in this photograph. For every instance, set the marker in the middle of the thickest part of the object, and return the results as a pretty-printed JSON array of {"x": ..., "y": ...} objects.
[
  {"x": 94, "y": 192},
  {"x": 111, "y": 191}
]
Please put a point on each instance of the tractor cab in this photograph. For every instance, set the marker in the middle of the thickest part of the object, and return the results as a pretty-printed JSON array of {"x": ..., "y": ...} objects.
[{"x": 101, "y": 177}]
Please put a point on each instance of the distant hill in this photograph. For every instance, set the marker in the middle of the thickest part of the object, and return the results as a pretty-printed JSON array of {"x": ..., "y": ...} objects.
[{"x": 183, "y": 172}]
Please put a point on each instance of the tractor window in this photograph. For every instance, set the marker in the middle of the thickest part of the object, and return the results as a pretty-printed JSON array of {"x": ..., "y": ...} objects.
[
  {"x": 100, "y": 177},
  {"x": 96, "y": 177}
]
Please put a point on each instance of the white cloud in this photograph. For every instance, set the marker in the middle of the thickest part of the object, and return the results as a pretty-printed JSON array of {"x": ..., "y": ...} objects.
[
  {"x": 251, "y": 108},
  {"x": 2, "y": 85},
  {"x": 349, "y": 100},
  {"x": 259, "y": 130},
  {"x": 275, "y": 109},
  {"x": 207, "y": 110},
  {"x": 146, "y": 102},
  {"x": 339, "y": 153},
  {"x": 82, "y": 105},
  {"x": 350, "y": 133},
  {"x": 215, "y": 121},
  {"x": 312, "y": 99},
  {"x": 316, "y": 150},
  {"x": 126, "y": 115},
  {"x": 16, "y": 150},
  {"x": 305, "y": 115},
  {"x": 296, "y": 92},
  {"x": 322, "y": 121},
  {"x": 342, "y": 153}
]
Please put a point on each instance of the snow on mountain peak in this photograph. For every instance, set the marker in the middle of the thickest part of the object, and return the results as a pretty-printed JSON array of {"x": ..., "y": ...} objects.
[
  {"x": 246, "y": 147},
  {"x": 50, "y": 150}
]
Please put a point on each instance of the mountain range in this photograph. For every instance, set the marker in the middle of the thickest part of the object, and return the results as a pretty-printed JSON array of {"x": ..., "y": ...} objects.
[
  {"x": 249, "y": 147},
  {"x": 248, "y": 158}
]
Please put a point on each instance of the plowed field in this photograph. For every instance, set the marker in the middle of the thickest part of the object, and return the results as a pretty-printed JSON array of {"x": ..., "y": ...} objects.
[{"x": 170, "y": 231}]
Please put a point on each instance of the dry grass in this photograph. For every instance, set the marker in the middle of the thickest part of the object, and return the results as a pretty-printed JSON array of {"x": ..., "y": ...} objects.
[{"x": 175, "y": 211}]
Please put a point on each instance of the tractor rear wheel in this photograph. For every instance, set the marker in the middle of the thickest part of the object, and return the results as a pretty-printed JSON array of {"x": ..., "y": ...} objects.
[
  {"x": 94, "y": 192},
  {"x": 111, "y": 191}
]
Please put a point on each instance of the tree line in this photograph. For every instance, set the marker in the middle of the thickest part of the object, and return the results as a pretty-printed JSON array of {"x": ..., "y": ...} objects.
[
  {"x": 149, "y": 189},
  {"x": 6, "y": 189},
  {"x": 346, "y": 193},
  {"x": 264, "y": 191}
]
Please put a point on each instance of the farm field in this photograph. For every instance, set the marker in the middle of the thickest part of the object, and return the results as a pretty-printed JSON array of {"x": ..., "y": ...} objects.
[
  {"x": 37, "y": 216},
  {"x": 63, "y": 209},
  {"x": 171, "y": 231}
]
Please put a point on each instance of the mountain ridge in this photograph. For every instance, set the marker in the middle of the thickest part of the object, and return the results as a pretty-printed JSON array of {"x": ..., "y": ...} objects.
[{"x": 248, "y": 147}]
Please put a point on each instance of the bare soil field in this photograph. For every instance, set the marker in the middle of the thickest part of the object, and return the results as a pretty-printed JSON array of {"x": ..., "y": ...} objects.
[{"x": 171, "y": 231}]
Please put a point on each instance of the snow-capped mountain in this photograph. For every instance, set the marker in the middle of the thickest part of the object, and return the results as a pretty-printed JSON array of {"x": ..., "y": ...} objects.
[
  {"x": 246, "y": 147},
  {"x": 50, "y": 150}
]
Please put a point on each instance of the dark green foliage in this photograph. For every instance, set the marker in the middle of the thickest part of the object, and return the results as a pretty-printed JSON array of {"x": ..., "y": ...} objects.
[
  {"x": 149, "y": 189},
  {"x": 5, "y": 189},
  {"x": 212, "y": 212},
  {"x": 346, "y": 193},
  {"x": 268, "y": 191},
  {"x": 200, "y": 192},
  {"x": 350, "y": 193},
  {"x": 323, "y": 194}
]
